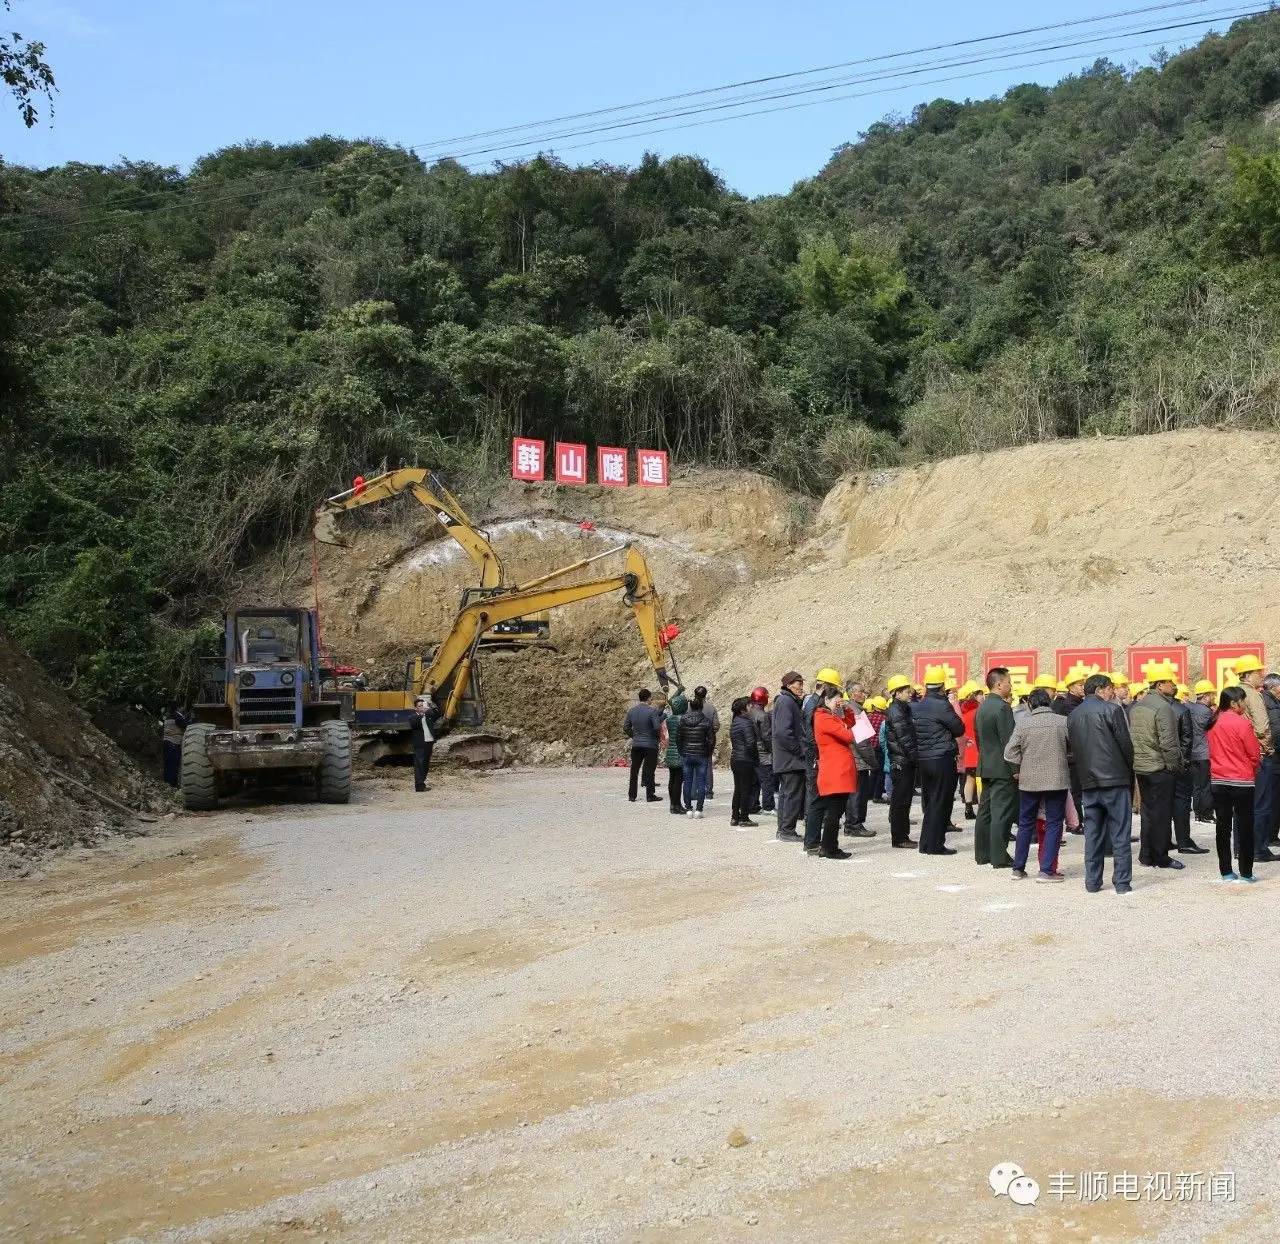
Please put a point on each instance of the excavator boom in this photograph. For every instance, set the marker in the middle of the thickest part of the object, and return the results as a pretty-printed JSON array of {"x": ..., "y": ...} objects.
[{"x": 425, "y": 487}]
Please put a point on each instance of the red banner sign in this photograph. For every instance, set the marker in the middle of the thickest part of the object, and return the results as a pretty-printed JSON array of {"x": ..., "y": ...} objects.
[
  {"x": 611, "y": 466},
  {"x": 1143, "y": 660},
  {"x": 1094, "y": 660},
  {"x": 1219, "y": 659},
  {"x": 652, "y": 468},
  {"x": 571, "y": 463},
  {"x": 1023, "y": 664},
  {"x": 528, "y": 459},
  {"x": 955, "y": 663}
]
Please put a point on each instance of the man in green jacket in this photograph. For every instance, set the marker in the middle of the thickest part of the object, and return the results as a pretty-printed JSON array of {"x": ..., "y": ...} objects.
[
  {"x": 1157, "y": 760},
  {"x": 998, "y": 808}
]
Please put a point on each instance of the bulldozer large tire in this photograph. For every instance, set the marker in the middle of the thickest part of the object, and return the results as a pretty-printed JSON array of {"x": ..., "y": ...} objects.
[
  {"x": 199, "y": 782},
  {"x": 334, "y": 781}
]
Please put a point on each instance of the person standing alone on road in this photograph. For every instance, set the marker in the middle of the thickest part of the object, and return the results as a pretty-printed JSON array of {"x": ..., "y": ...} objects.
[
  {"x": 695, "y": 739},
  {"x": 1098, "y": 735},
  {"x": 938, "y": 726},
  {"x": 677, "y": 706},
  {"x": 903, "y": 759},
  {"x": 1234, "y": 757},
  {"x": 788, "y": 755},
  {"x": 643, "y": 725},
  {"x": 744, "y": 759},
  {"x": 422, "y": 735},
  {"x": 1037, "y": 750},
  {"x": 998, "y": 806}
]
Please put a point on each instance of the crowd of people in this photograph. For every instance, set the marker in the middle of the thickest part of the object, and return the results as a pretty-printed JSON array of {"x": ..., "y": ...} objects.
[{"x": 1029, "y": 763}]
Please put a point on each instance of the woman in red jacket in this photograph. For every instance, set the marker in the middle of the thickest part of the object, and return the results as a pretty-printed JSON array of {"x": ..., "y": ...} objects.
[
  {"x": 970, "y": 702},
  {"x": 837, "y": 773},
  {"x": 1234, "y": 756}
]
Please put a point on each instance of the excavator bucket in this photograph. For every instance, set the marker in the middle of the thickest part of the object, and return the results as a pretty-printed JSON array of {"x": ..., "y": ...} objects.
[{"x": 325, "y": 529}]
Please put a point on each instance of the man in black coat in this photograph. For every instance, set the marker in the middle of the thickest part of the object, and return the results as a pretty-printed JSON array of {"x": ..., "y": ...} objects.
[
  {"x": 1102, "y": 749},
  {"x": 904, "y": 759},
  {"x": 938, "y": 726},
  {"x": 789, "y": 766},
  {"x": 423, "y": 737}
]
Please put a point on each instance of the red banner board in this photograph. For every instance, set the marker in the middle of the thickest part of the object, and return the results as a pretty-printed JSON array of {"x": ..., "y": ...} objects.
[
  {"x": 1217, "y": 661},
  {"x": 1023, "y": 664},
  {"x": 1143, "y": 659},
  {"x": 528, "y": 459},
  {"x": 1095, "y": 660},
  {"x": 571, "y": 463},
  {"x": 652, "y": 468},
  {"x": 611, "y": 466},
  {"x": 955, "y": 663}
]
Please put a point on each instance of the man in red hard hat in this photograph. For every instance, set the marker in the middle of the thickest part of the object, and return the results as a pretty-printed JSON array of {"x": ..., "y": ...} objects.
[{"x": 762, "y": 722}]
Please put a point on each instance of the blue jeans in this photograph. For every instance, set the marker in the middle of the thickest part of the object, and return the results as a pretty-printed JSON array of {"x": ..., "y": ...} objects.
[
  {"x": 1055, "y": 809},
  {"x": 1108, "y": 818},
  {"x": 695, "y": 781},
  {"x": 1264, "y": 803}
]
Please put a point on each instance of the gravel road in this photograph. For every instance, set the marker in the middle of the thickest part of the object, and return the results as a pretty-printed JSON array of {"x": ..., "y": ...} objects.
[{"x": 518, "y": 1008}]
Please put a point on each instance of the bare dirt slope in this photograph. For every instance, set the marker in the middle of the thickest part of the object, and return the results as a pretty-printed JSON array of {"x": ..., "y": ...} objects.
[
  {"x": 1156, "y": 539},
  {"x": 394, "y": 592},
  {"x": 45, "y": 741}
]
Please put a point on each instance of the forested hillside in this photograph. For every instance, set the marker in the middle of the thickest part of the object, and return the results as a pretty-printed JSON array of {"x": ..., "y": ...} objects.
[{"x": 188, "y": 361}]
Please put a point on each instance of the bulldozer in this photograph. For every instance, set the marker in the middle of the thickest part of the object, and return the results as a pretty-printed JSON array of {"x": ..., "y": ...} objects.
[
  {"x": 451, "y": 673},
  {"x": 426, "y": 487},
  {"x": 267, "y": 710}
]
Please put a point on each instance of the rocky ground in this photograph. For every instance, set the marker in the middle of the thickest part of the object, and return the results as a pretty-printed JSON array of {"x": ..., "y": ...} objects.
[{"x": 519, "y": 1008}]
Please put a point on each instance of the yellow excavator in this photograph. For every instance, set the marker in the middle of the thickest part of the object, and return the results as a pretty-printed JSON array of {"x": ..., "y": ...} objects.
[
  {"x": 427, "y": 489},
  {"x": 451, "y": 674}
]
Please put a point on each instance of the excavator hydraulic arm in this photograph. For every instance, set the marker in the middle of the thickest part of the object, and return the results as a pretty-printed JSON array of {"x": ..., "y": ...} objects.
[
  {"x": 450, "y": 669},
  {"x": 426, "y": 488}
]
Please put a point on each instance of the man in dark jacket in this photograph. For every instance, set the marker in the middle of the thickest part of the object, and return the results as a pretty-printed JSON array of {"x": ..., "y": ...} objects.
[
  {"x": 1200, "y": 711},
  {"x": 1103, "y": 754},
  {"x": 788, "y": 755},
  {"x": 1183, "y": 785},
  {"x": 938, "y": 726},
  {"x": 998, "y": 807},
  {"x": 643, "y": 725},
  {"x": 1157, "y": 760},
  {"x": 1264, "y": 827},
  {"x": 422, "y": 734},
  {"x": 904, "y": 758}
]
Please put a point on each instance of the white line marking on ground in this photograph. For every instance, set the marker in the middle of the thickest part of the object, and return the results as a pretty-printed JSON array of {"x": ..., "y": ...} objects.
[
  {"x": 952, "y": 889},
  {"x": 999, "y": 906},
  {"x": 905, "y": 876}
]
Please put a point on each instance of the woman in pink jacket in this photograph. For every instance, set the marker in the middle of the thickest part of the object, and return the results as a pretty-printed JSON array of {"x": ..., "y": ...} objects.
[{"x": 1234, "y": 757}]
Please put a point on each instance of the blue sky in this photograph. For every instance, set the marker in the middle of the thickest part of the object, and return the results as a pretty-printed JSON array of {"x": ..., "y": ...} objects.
[{"x": 170, "y": 80}]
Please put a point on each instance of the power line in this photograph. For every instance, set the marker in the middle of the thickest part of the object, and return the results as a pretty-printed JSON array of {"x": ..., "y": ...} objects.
[{"x": 302, "y": 169}]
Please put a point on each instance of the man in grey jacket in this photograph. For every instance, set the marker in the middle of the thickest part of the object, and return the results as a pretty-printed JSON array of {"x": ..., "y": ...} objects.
[
  {"x": 1200, "y": 710},
  {"x": 643, "y": 725},
  {"x": 1157, "y": 760},
  {"x": 1039, "y": 753}
]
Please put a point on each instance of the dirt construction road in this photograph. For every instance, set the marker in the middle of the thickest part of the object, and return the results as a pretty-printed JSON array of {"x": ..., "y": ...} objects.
[{"x": 519, "y": 1008}]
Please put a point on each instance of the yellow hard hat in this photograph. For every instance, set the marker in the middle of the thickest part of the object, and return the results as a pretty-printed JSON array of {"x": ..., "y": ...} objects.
[
  {"x": 935, "y": 676},
  {"x": 918, "y": 686},
  {"x": 896, "y": 683},
  {"x": 1204, "y": 687},
  {"x": 829, "y": 676},
  {"x": 1247, "y": 664},
  {"x": 1060, "y": 685},
  {"x": 1118, "y": 680},
  {"x": 1164, "y": 673},
  {"x": 877, "y": 702},
  {"x": 1077, "y": 673},
  {"x": 1183, "y": 691},
  {"x": 1047, "y": 681},
  {"x": 969, "y": 688}
]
